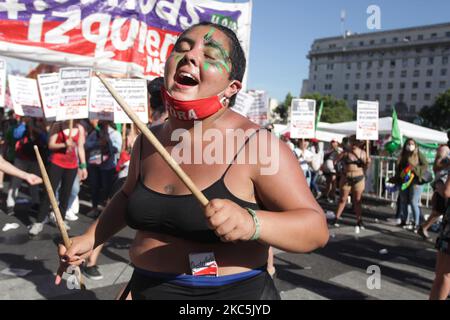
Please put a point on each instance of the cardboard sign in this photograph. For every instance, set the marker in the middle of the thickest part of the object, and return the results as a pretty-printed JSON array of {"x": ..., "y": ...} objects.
[
  {"x": 25, "y": 97},
  {"x": 49, "y": 89},
  {"x": 367, "y": 124},
  {"x": 303, "y": 119},
  {"x": 74, "y": 88}
]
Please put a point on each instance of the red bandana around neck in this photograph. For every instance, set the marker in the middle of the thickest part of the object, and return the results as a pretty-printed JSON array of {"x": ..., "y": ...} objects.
[{"x": 192, "y": 110}]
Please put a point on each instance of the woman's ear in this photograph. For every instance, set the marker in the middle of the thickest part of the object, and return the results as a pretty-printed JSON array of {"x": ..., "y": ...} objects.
[{"x": 233, "y": 88}]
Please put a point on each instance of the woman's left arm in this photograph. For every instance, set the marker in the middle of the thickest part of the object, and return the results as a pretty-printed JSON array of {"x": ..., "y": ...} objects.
[{"x": 293, "y": 222}]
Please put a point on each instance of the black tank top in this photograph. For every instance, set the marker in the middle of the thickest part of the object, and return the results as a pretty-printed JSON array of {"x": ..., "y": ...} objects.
[{"x": 179, "y": 216}]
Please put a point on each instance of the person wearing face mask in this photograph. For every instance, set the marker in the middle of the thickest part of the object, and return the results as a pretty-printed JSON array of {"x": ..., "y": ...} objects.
[
  {"x": 183, "y": 250},
  {"x": 410, "y": 172},
  {"x": 329, "y": 171},
  {"x": 355, "y": 163}
]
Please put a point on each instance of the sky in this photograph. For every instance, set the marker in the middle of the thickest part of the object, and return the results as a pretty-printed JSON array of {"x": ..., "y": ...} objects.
[{"x": 283, "y": 31}]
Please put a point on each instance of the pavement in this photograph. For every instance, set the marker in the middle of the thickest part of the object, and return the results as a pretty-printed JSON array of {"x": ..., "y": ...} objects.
[{"x": 342, "y": 270}]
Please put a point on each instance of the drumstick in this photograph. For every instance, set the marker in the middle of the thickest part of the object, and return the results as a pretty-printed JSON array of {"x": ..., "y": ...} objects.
[
  {"x": 124, "y": 137},
  {"x": 70, "y": 129},
  {"x": 155, "y": 142},
  {"x": 368, "y": 148},
  {"x": 54, "y": 203}
]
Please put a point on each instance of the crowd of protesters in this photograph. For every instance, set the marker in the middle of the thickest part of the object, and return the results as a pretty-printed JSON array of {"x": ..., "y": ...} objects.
[
  {"x": 91, "y": 152},
  {"x": 343, "y": 169}
]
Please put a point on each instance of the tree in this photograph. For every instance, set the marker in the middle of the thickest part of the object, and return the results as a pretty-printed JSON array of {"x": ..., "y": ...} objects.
[
  {"x": 438, "y": 115},
  {"x": 283, "y": 109},
  {"x": 334, "y": 110}
]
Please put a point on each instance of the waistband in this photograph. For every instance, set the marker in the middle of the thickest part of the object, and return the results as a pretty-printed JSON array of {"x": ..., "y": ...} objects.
[{"x": 205, "y": 281}]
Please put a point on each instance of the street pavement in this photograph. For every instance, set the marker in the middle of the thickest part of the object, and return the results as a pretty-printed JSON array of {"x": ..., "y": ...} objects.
[{"x": 337, "y": 271}]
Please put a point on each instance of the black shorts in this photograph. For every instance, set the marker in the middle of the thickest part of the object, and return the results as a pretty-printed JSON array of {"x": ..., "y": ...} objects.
[
  {"x": 443, "y": 240},
  {"x": 439, "y": 204},
  {"x": 259, "y": 287},
  {"x": 329, "y": 174}
]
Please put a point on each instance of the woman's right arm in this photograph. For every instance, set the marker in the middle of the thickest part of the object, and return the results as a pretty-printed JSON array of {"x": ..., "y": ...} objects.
[
  {"x": 52, "y": 145},
  {"x": 110, "y": 222}
]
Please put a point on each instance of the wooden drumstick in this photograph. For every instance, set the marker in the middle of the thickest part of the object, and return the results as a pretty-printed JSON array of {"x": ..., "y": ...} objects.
[
  {"x": 124, "y": 137},
  {"x": 54, "y": 203}
]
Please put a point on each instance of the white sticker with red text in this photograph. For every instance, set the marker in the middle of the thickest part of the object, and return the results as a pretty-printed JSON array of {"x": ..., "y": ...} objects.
[{"x": 203, "y": 264}]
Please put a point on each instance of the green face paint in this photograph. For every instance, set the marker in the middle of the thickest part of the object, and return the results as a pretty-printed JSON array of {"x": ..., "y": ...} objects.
[
  {"x": 210, "y": 42},
  {"x": 225, "y": 65},
  {"x": 208, "y": 36},
  {"x": 218, "y": 65}
]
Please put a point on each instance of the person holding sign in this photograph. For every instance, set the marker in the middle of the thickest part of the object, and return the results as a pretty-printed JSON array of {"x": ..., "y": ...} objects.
[
  {"x": 183, "y": 249},
  {"x": 68, "y": 156},
  {"x": 352, "y": 181}
]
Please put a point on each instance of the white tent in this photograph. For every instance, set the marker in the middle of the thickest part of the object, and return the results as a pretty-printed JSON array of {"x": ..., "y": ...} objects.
[
  {"x": 407, "y": 129},
  {"x": 321, "y": 135}
]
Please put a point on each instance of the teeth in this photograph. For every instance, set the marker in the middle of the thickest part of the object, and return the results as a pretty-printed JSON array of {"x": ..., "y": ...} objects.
[{"x": 185, "y": 74}]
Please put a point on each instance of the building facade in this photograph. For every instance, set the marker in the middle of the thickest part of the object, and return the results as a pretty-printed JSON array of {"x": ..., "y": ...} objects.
[{"x": 405, "y": 68}]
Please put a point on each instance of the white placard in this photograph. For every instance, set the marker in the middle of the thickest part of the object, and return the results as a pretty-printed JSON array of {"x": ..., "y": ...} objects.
[
  {"x": 367, "y": 125},
  {"x": 25, "y": 97},
  {"x": 101, "y": 103},
  {"x": 260, "y": 107},
  {"x": 2, "y": 82},
  {"x": 244, "y": 102},
  {"x": 74, "y": 87},
  {"x": 134, "y": 92},
  {"x": 303, "y": 119},
  {"x": 49, "y": 89}
]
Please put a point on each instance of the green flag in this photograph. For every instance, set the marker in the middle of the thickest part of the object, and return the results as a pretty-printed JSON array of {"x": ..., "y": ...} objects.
[
  {"x": 319, "y": 114},
  {"x": 396, "y": 135}
]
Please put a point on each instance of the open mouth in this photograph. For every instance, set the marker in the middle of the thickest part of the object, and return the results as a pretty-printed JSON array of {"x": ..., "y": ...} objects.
[{"x": 186, "y": 79}]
